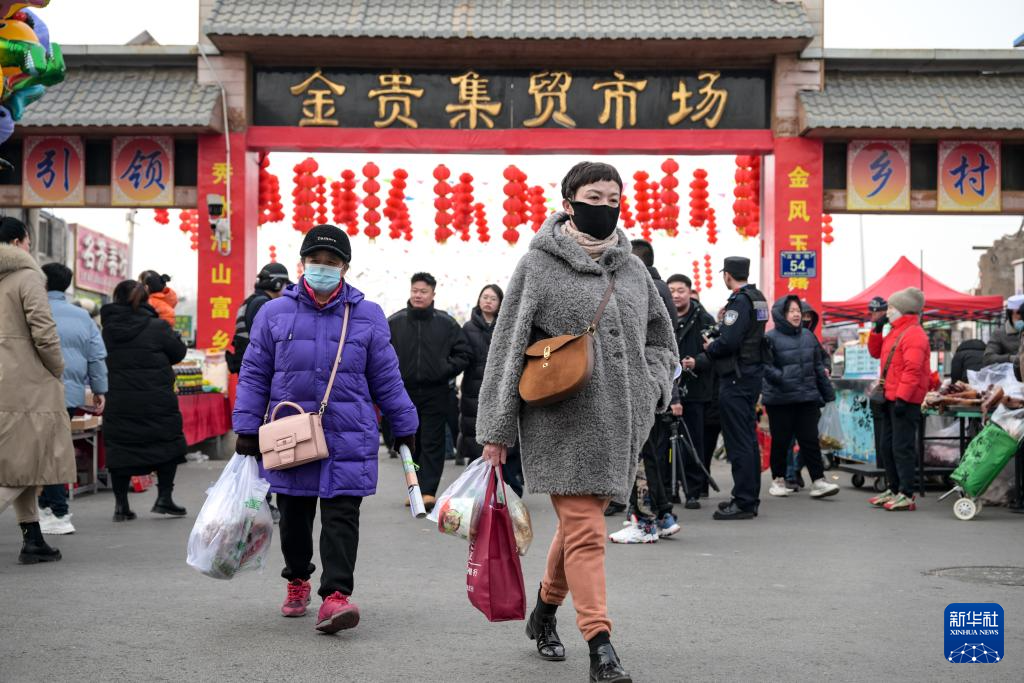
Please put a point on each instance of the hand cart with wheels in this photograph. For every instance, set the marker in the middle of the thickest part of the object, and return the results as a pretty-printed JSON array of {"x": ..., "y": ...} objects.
[{"x": 986, "y": 456}]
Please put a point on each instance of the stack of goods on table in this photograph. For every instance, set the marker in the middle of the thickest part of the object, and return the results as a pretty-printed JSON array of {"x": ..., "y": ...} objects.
[
  {"x": 960, "y": 395},
  {"x": 188, "y": 378}
]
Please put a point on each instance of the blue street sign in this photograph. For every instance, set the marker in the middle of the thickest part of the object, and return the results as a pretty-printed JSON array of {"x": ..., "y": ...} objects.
[{"x": 798, "y": 264}]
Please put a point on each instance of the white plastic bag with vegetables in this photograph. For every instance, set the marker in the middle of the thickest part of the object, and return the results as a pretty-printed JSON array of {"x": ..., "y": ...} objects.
[
  {"x": 457, "y": 510},
  {"x": 234, "y": 528}
]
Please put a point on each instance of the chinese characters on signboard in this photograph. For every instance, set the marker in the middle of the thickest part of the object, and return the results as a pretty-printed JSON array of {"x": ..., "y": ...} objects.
[
  {"x": 969, "y": 176},
  {"x": 53, "y": 173},
  {"x": 142, "y": 171},
  {"x": 100, "y": 261},
  {"x": 796, "y": 241},
  {"x": 878, "y": 175},
  {"x": 479, "y": 100}
]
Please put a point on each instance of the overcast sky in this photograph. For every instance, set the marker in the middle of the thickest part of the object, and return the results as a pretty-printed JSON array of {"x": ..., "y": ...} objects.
[{"x": 945, "y": 241}]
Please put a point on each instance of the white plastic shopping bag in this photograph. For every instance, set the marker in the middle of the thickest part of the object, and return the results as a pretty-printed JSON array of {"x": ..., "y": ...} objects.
[{"x": 234, "y": 528}]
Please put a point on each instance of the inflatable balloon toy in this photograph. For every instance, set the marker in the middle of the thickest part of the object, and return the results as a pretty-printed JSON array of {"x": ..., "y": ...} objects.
[{"x": 30, "y": 63}]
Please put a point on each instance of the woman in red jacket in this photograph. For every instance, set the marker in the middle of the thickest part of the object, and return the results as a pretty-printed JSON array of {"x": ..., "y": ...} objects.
[{"x": 906, "y": 365}]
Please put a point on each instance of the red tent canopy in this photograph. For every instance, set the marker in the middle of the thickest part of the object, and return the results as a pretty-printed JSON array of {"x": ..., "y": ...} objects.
[{"x": 940, "y": 302}]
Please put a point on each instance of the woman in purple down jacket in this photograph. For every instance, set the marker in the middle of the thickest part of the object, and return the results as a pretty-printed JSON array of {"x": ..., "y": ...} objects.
[{"x": 292, "y": 347}]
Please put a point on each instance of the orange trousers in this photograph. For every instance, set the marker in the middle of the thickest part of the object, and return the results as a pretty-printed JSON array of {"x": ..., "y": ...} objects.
[{"x": 576, "y": 562}]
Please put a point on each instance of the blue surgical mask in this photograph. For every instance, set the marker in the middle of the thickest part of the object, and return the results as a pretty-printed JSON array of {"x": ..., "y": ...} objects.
[
  {"x": 322, "y": 279},
  {"x": 1019, "y": 325}
]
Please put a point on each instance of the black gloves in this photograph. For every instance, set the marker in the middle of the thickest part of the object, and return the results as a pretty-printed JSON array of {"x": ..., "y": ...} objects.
[
  {"x": 409, "y": 441},
  {"x": 248, "y": 444},
  {"x": 881, "y": 323},
  {"x": 899, "y": 409}
]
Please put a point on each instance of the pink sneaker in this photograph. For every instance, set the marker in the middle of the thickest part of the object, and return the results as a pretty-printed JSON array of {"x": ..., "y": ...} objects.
[
  {"x": 337, "y": 614},
  {"x": 298, "y": 597}
]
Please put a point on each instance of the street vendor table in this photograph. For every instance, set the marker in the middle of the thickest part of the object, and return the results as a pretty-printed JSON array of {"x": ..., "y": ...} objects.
[
  {"x": 204, "y": 416},
  {"x": 92, "y": 437}
]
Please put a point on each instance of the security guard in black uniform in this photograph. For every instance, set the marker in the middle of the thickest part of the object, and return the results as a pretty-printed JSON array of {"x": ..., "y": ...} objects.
[
  {"x": 270, "y": 284},
  {"x": 739, "y": 354}
]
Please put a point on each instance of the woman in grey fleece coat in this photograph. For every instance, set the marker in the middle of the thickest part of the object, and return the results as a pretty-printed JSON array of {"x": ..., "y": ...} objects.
[{"x": 581, "y": 451}]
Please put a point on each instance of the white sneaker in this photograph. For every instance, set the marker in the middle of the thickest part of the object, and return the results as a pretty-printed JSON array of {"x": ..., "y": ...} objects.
[
  {"x": 644, "y": 532},
  {"x": 53, "y": 525},
  {"x": 779, "y": 488},
  {"x": 821, "y": 488}
]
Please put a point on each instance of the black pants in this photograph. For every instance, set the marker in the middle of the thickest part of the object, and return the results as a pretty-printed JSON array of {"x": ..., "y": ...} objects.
[
  {"x": 339, "y": 540},
  {"x": 164, "y": 482},
  {"x": 696, "y": 481},
  {"x": 654, "y": 456},
  {"x": 434, "y": 413},
  {"x": 712, "y": 430},
  {"x": 736, "y": 404},
  {"x": 795, "y": 421},
  {"x": 877, "y": 416},
  {"x": 899, "y": 447}
]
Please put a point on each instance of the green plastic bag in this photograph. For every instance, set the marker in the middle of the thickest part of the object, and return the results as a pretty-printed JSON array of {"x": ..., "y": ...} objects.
[{"x": 985, "y": 458}]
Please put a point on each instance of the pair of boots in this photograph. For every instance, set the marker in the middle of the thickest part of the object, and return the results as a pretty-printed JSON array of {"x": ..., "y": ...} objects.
[
  {"x": 164, "y": 505},
  {"x": 34, "y": 548},
  {"x": 604, "y": 661}
]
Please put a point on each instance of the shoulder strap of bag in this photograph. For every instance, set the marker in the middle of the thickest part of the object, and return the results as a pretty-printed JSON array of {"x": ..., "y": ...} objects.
[
  {"x": 604, "y": 302},
  {"x": 337, "y": 359},
  {"x": 892, "y": 351}
]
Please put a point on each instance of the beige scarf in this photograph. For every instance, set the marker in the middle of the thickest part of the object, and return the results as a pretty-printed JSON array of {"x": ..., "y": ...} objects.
[{"x": 593, "y": 246}]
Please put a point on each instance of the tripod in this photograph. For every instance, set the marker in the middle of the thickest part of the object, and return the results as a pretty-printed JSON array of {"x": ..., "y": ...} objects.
[{"x": 682, "y": 442}]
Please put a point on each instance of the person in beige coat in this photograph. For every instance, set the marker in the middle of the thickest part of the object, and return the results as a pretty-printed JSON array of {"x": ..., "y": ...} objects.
[{"x": 35, "y": 434}]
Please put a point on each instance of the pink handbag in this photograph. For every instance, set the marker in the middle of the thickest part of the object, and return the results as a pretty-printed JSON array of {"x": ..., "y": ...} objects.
[{"x": 299, "y": 439}]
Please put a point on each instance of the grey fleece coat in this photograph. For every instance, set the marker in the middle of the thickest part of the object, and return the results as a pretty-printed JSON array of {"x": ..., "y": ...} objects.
[{"x": 588, "y": 444}]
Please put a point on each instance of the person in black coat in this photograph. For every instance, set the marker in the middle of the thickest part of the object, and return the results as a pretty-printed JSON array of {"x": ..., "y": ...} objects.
[
  {"x": 142, "y": 426},
  {"x": 478, "y": 332},
  {"x": 432, "y": 351},
  {"x": 969, "y": 356},
  {"x": 795, "y": 388}
]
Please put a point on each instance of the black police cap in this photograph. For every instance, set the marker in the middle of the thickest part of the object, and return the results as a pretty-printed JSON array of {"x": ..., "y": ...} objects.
[{"x": 737, "y": 266}]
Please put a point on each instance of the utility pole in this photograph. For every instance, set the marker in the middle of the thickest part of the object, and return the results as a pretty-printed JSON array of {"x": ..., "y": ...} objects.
[{"x": 130, "y": 217}]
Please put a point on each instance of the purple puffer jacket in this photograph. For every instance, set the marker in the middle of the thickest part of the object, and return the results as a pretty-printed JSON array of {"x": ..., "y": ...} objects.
[{"x": 291, "y": 350}]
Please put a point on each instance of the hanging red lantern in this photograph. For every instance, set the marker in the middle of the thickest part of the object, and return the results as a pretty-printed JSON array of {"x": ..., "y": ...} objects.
[
  {"x": 161, "y": 216},
  {"x": 442, "y": 218},
  {"x": 537, "y": 206},
  {"x": 393, "y": 206},
  {"x": 628, "y": 221},
  {"x": 269, "y": 207},
  {"x": 371, "y": 201},
  {"x": 699, "y": 198},
  {"x": 669, "y": 197},
  {"x": 712, "y": 229},
  {"x": 481, "y": 222},
  {"x": 273, "y": 254},
  {"x": 349, "y": 203},
  {"x": 696, "y": 276},
  {"x": 304, "y": 195},
  {"x": 643, "y": 206},
  {"x": 512, "y": 205},
  {"x": 462, "y": 206},
  {"x": 321, "y": 200},
  {"x": 826, "y": 228}
]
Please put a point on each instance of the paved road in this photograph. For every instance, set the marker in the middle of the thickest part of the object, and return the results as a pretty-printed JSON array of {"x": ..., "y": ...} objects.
[{"x": 823, "y": 590}]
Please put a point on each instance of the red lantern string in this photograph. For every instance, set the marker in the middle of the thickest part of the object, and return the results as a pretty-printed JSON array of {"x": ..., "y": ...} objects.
[
  {"x": 189, "y": 222},
  {"x": 669, "y": 197},
  {"x": 161, "y": 216},
  {"x": 747, "y": 214},
  {"x": 712, "y": 231},
  {"x": 696, "y": 276},
  {"x": 755, "y": 194},
  {"x": 349, "y": 203},
  {"x": 273, "y": 254},
  {"x": 269, "y": 195},
  {"x": 481, "y": 222},
  {"x": 442, "y": 218},
  {"x": 826, "y": 228},
  {"x": 523, "y": 195},
  {"x": 512, "y": 205},
  {"x": 463, "y": 206},
  {"x": 657, "y": 218},
  {"x": 643, "y": 206},
  {"x": 304, "y": 195},
  {"x": 538, "y": 208},
  {"x": 371, "y": 201},
  {"x": 699, "y": 198},
  {"x": 708, "y": 270},
  {"x": 337, "y": 213},
  {"x": 402, "y": 182},
  {"x": 393, "y": 206},
  {"x": 628, "y": 221},
  {"x": 321, "y": 200}
]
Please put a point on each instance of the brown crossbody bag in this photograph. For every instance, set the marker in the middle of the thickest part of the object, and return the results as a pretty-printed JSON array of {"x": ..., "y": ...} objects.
[{"x": 558, "y": 368}]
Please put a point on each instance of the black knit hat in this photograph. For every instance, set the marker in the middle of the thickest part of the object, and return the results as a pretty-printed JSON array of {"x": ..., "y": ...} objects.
[
  {"x": 877, "y": 304},
  {"x": 329, "y": 237}
]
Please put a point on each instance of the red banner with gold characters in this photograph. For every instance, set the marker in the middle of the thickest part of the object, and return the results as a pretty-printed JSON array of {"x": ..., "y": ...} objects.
[
  {"x": 878, "y": 175},
  {"x": 227, "y": 269},
  {"x": 53, "y": 172},
  {"x": 792, "y": 250},
  {"x": 969, "y": 176},
  {"x": 142, "y": 171}
]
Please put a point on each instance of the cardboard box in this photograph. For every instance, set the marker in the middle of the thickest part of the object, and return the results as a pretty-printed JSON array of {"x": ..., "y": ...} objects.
[{"x": 82, "y": 423}]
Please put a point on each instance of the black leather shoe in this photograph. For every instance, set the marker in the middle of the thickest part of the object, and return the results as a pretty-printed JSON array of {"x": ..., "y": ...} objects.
[
  {"x": 541, "y": 628},
  {"x": 165, "y": 505},
  {"x": 692, "y": 504},
  {"x": 123, "y": 513},
  {"x": 34, "y": 548},
  {"x": 606, "y": 668},
  {"x": 733, "y": 511}
]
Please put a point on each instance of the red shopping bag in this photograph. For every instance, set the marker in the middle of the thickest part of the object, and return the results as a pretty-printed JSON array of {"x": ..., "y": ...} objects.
[{"x": 494, "y": 577}]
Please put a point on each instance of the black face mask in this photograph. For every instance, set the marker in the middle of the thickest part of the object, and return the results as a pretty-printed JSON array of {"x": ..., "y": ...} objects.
[{"x": 597, "y": 221}]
